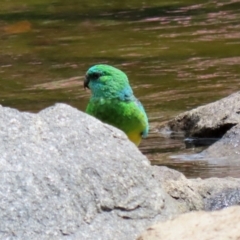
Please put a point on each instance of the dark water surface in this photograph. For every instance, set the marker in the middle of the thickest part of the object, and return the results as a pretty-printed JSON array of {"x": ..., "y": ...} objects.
[{"x": 178, "y": 55}]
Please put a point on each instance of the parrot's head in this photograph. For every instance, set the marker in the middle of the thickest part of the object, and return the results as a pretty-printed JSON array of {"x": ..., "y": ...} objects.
[{"x": 107, "y": 81}]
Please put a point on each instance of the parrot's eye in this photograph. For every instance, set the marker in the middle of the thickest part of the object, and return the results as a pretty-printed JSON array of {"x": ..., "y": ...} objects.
[{"x": 95, "y": 76}]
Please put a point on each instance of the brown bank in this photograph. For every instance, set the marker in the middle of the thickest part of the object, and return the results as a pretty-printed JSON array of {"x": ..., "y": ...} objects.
[{"x": 218, "y": 225}]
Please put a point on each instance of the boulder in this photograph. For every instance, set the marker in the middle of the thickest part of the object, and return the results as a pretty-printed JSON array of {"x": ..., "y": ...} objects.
[
  {"x": 224, "y": 224},
  {"x": 64, "y": 174},
  {"x": 209, "y": 121}
]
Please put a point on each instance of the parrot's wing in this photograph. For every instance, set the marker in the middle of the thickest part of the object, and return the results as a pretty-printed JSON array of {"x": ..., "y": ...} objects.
[
  {"x": 140, "y": 106},
  {"x": 127, "y": 95}
]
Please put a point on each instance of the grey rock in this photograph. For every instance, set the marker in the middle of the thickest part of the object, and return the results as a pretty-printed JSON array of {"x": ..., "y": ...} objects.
[
  {"x": 198, "y": 194},
  {"x": 66, "y": 175},
  {"x": 229, "y": 197},
  {"x": 211, "y": 120},
  {"x": 227, "y": 149},
  {"x": 218, "y": 193}
]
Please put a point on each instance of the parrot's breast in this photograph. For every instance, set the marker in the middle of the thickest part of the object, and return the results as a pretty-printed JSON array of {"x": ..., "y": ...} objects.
[
  {"x": 135, "y": 137},
  {"x": 126, "y": 116}
]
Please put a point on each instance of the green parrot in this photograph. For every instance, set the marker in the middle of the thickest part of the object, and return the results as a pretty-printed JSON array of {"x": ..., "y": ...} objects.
[{"x": 113, "y": 102}]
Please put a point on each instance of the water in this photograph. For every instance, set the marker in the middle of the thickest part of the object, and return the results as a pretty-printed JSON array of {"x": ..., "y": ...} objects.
[{"x": 177, "y": 55}]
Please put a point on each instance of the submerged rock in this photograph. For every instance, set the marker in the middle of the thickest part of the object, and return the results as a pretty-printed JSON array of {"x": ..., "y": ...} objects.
[
  {"x": 225, "y": 153},
  {"x": 64, "y": 173},
  {"x": 210, "y": 121},
  {"x": 223, "y": 224},
  {"x": 216, "y": 125}
]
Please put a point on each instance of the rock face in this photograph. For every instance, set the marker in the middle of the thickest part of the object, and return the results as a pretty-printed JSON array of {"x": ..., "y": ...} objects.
[
  {"x": 211, "y": 120},
  {"x": 223, "y": 224},
  {"x": 65, "y": 174}
]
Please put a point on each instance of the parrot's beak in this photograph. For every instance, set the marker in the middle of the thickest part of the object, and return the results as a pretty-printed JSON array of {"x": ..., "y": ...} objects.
[{"x": 86, "y": 82}]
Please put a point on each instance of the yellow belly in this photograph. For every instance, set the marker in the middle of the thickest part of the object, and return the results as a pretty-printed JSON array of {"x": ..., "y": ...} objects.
[{"x": 135, "y": 137}]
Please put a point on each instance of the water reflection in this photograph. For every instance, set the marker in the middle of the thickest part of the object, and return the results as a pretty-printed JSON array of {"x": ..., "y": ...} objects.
[{"x": 177, "y": 55}]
